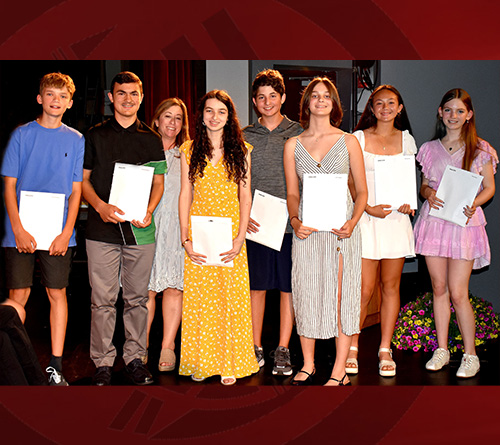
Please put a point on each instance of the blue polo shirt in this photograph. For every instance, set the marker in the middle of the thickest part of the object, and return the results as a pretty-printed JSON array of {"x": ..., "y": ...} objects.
[{"x": 43, "y": 160}]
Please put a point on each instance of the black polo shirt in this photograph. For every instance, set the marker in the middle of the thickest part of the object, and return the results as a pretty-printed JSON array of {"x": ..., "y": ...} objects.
[{"x": 105, "y": 145}]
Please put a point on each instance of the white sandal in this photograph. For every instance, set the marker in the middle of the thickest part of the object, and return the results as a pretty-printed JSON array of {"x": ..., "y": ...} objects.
[
  {"x": 353, "y": 369},
  {"x": 228, "y": 380},
  {"x": 382, "y": 363},
  {"x": 197, "y": 379}
]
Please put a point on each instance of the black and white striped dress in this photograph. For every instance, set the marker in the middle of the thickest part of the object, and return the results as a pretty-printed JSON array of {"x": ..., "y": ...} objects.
[{"x": 316, "y": 261}]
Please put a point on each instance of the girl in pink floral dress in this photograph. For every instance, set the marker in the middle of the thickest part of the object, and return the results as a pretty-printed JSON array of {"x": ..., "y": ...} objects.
[{"x": 452, "y": 251}]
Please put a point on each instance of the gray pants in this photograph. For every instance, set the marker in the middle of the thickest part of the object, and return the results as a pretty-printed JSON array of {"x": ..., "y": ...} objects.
[{"x": 108, "y": 265}]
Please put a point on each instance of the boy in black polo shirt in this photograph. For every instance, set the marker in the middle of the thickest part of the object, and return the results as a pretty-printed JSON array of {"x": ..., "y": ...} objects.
[
  {"x": 268, "y": 268},
  {"x": 120, "y": 251}
]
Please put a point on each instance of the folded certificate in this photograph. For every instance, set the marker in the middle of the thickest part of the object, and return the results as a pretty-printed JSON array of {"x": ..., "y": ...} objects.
[
  {"x": 457, "y": 189},
  {"x": 324, "y": 199},
  {"x": 42, "y": 216},
  {"x": 130, "y": 190},
  {"x": 272, "y": 215},
  {"x": 396, "y": 181},
  {"x": 212, "y": 236}
]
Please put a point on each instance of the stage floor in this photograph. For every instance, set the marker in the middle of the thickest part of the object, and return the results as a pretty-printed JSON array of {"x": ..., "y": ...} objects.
[{"x": 78, "y": 369}]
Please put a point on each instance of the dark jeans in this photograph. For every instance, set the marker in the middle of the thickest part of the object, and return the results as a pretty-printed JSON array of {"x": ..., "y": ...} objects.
[{"x": 18, "y": 362}]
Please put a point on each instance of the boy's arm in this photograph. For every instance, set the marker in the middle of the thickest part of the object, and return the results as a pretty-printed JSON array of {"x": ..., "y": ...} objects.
[
  {"x": 25, "y": 242},
  {"x": 60, "y": 244},
  {"x": 105, "y": 210},
  {"x": 154, "y": 199}
]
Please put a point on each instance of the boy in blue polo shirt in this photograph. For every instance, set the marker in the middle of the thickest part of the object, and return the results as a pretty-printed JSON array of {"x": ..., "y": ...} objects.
[{"x": 44, "y": 155}]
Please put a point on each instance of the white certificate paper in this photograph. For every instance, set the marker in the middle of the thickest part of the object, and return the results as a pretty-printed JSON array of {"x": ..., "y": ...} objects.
[
  {"x": 395, "y": 181},
  {"x": 130, "y": 190},
  {"x": 324, "y": 199},
  {"x": 42, "y": 216},
  {"x": 457, "y": 189},
  {"x": 212, "y": 236},
  {"x": 272, "y": 215}
]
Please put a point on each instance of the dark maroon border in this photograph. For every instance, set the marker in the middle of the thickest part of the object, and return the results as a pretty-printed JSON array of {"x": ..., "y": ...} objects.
[{"x": 325, "y": 29}]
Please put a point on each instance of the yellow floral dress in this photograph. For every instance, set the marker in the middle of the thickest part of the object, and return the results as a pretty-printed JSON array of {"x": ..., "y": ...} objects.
[{"x": 216, "y": 336}]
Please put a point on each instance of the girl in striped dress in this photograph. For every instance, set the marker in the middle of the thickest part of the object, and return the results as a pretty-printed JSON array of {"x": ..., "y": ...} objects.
[{"x": 326, "y": 271}]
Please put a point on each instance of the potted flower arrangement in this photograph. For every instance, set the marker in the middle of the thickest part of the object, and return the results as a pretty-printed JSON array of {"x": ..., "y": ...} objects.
[{"x": 415, "y": 328}]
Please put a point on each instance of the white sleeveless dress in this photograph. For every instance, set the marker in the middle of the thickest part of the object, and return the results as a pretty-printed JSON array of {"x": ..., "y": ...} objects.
[{"x": 392, "y": 236}]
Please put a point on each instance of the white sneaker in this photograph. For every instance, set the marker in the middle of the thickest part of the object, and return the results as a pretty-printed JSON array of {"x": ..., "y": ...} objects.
[
  {"x": 469, "y": 366},
  {"x": 440, "y": 358}
]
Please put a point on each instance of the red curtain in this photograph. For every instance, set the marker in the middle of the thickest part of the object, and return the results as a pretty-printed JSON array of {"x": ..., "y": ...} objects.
[{"x": 184, "y": 79}]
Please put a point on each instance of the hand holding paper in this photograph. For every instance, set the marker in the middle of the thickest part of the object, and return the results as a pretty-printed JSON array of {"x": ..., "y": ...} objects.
[
  {"x": 197, "y": 258},
  {"x": 379, "y": 211},
  {"x": 318, "y": 212},
  {"x": 406, "y": 209},
  {"x": 395, "y": 181},
  {"x": 212, "y": 238},
  {"x": 25, "y": 242},
  {"x": 130, "y": 191},
  {"x": 303, "y": 231},
  {"x": 145, "y": 222},
  {"x": 457, "y": 189},
  {"x": 253, "y": 226},
  {"x": 345, "y": 231},
  {"x": 60, "y": 245},
  {"x": 434, "y": 201},
  {"x": 272, "y": 216},
  {"x": 229, "y": 256},
  {"x": 110, "y": 213},
  {"x": 42, "y": 217}
]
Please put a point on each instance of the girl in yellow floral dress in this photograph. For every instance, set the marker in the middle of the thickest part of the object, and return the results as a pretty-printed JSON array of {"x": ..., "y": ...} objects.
[{"x": 215, "y": 181}]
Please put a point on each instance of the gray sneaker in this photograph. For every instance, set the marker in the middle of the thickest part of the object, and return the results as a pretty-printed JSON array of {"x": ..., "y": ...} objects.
[
  {"x": 56, "y": 378},
  {"x": 259, "y": 355},
  {"x": 282, "y": 364}
]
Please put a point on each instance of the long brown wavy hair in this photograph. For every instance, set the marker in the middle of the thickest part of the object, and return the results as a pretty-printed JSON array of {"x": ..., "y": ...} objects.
[
  {"x": 183, "y": 135},
  {"x": 233, "y": 142},
  {"x": 336, "y": 113},
  {"x": 368, "y": 119},
  {"x": 469, "y": 133}
]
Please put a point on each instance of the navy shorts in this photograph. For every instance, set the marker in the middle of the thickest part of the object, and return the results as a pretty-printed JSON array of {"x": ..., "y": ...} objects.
[
  {"x": 19, "y": 268},
  {"x": 268, "y": 268}
]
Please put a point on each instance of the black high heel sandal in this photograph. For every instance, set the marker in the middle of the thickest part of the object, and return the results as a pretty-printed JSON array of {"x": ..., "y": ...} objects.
[
  {"x": 307, "y": 381},
  {"x": 341, "y": 381}
]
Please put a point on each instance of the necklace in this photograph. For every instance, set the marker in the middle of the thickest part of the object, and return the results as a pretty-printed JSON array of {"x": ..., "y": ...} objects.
[{"x": 383, "y": 138}]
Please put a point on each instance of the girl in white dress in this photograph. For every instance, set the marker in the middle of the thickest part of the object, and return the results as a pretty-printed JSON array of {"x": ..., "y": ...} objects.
[{"x": 387, "y": 236}]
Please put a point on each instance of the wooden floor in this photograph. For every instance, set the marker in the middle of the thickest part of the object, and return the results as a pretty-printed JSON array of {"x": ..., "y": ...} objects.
[{"x": 79, "y": 369}]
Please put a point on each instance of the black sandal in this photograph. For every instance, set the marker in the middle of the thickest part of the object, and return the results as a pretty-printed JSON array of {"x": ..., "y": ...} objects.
[
  {"x": 341, "y": 381},
  {"x": 307, "y": 381}
]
